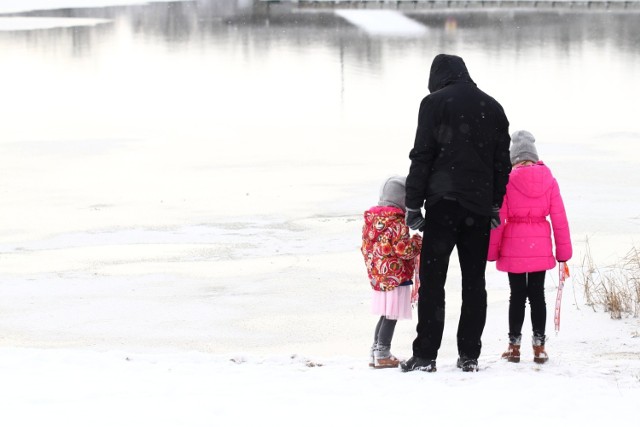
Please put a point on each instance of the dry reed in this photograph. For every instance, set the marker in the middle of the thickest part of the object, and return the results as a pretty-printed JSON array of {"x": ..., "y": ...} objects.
[{"x": 615, "y": 288}]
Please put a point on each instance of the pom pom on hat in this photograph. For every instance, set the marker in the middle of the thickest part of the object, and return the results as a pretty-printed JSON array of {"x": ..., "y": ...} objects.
[{"x": 523, "y": 147}]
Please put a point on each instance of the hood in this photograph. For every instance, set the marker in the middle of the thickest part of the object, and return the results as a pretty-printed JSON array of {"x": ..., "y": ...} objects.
[
  {"x": 447, "y": 69},
  {"x": 378, "y": 219},
  {"x": 533, "y": 181},
  {"x": 382, "y": 212},
  {"x": 393, "y": 192}
]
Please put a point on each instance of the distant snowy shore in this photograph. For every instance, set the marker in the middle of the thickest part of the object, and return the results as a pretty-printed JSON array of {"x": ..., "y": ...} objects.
[{"x": 15, "y": 6}]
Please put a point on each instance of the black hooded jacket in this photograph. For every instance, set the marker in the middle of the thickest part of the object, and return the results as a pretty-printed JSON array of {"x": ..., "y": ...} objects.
[{"x": 461, "y": 150}]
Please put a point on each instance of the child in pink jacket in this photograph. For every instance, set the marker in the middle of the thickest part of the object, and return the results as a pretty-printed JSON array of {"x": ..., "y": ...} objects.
[{"x": 522, "y": 244}]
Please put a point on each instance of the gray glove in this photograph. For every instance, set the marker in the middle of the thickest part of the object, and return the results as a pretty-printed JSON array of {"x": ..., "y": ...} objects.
[
  {"x": 414, "y": 219},
  {"x": 495, "y": 217}
]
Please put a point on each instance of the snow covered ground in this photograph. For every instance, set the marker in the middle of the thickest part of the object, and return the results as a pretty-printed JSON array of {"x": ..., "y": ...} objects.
[{"x": 148, "y": 277}]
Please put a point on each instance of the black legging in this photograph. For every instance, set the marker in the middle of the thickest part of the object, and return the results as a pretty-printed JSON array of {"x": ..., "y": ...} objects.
[
  {"x": 523, "y": 286},
  {"x": 384, "y": 332}
]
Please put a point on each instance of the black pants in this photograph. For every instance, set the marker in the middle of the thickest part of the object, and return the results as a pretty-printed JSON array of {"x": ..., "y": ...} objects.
[
  {"x": 449, "y": 225},
  {"x": 523, "y": 286}
]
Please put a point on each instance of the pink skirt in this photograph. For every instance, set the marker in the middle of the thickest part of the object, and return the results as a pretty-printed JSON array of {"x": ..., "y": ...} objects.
[{"x": 395, "y": 304}]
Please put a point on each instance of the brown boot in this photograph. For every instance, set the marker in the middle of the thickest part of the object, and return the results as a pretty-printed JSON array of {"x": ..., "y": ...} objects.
[
  {"x": 386, "y": 362},
  {"x": 539, "y": 353},
  {"x": 512, "y": 354},
  {"x": 382, "y": 358},
  {"x": 372, "y": 359}
]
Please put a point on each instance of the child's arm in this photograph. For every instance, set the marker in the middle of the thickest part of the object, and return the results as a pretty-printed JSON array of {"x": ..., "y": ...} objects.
[
  {"x": 405, "y": 246},
  {"x": 495, "y": 239},
  {"x": 560, "y": 225}
]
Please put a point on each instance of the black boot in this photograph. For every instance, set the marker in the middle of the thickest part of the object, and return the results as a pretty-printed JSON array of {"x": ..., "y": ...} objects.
[
  {"x": 418, "y": 364},
  {"x": 467, "y": 364}
]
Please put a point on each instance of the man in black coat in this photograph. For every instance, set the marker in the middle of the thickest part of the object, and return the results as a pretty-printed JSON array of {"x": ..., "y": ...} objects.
[{"x": 459, "y": 171}]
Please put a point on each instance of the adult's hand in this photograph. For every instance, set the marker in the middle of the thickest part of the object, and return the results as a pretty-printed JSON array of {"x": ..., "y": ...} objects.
[
  {"x": 495, "y": 217},
  {"x": 414, "y": 219}
]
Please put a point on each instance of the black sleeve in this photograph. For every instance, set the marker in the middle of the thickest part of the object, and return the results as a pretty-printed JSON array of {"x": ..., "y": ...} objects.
[
  {"x": 422, "y": 155},
  {"x": 501, "y": 161}
]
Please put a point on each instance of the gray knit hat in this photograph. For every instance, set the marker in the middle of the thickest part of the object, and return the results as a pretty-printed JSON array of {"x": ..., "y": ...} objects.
[
  {"x": 523, "y": 147},
  {"x": 393, "y": 191}
]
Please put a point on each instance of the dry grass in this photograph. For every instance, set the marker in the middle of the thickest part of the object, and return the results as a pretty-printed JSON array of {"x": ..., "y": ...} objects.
[{"x": 614, "y": 288}]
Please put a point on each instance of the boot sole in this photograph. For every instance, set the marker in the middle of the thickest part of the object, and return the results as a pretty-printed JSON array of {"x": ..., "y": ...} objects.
[
  {"x": 467, "y": 368},
  {"x": 389, "y": 362},
  {"x": 513, "y": 359},
  {"x": 540, "y": 361},
  {"x": 384, "y": 366},
  {"x": 420, "y": 370}
]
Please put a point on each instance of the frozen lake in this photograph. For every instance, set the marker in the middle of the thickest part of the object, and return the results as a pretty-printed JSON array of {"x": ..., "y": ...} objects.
[{"x": 192, "y": 175}]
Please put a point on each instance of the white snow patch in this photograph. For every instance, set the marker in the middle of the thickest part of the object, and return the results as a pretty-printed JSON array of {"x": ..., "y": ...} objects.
[{"x": 383, "y": 22}]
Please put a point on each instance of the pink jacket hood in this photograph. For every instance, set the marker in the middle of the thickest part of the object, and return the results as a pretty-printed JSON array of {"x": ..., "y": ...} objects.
[{"x": 531, "y": 181}]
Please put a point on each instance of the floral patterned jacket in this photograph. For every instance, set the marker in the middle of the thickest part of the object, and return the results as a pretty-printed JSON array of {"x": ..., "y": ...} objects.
[{"x": 388, "y": 249}]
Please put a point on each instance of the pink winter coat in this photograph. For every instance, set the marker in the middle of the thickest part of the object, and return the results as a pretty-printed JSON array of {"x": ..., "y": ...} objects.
[
  {"x": 522, "y": 244},
  {"x": 388, "y": 249}
]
